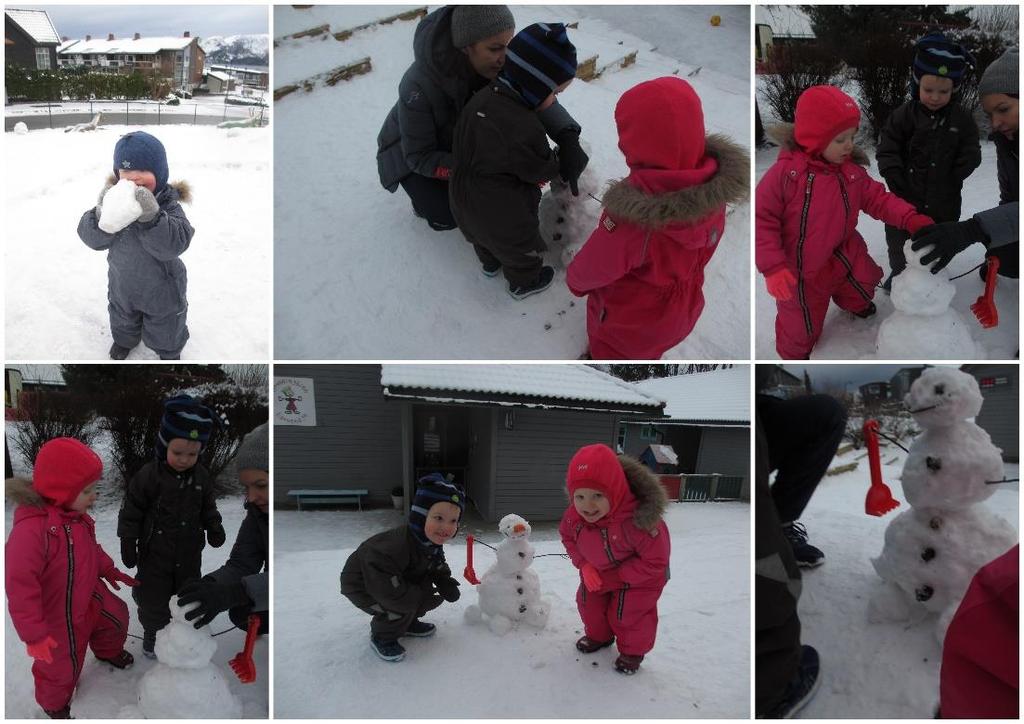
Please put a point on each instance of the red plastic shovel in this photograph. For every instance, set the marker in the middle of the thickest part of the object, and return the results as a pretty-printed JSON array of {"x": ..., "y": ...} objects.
[
  {"x": 243, "y": 665},
  {"x": 879, "y": 500},
  {"x": 985, "y": 308},
  {"x": 469, "y": 574}
]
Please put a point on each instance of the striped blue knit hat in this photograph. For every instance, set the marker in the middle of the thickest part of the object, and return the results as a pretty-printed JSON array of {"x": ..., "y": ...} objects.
[
  {"x": 937, "y": 55},
  {"x": 433, "y": 488},
  {"x": 186, "y": 418},
  {"x": 537, "y": 60}
]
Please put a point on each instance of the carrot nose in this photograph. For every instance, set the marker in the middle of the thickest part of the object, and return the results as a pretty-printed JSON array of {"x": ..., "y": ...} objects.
[{"x": 518, "y": 528}]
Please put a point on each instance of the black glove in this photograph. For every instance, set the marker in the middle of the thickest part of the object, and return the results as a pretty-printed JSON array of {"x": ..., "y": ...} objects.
[
  {"x": 571, "y": 159},
  {"x": 129, "y": 552},
  {"x": 449, "y": 589},
  {"x": 215, "y": 535},
  {"x": 947, "y": 240},
  {"x": 213, "y": 598}
]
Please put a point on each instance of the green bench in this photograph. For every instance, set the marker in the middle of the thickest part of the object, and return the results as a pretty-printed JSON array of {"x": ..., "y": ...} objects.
[{"x": 328, "y": 496}]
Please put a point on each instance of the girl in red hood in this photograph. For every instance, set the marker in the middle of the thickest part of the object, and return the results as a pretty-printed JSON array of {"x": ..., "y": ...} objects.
[
  {"x": 642, "y": 269},
  {"x": 807, "y": 205},
  {"x": 57, "y": 574},
  {"x": 614, "y": 533}
]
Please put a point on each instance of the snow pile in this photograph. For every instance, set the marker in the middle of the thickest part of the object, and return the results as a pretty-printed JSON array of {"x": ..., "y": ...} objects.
[
  {"x": 120, "y": 207},
  {"x": 933, "y": 550},
  {"x": 20, "y": 128},
  {"x": 923, "y": 325},
  {"x": 510, "y": 590}
]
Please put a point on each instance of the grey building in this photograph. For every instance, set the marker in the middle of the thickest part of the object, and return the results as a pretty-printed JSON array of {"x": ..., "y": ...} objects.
[
  {"x": 875, "y": 392},
  {"x": 706, "y": 421},
  {"x": 1000, "y": 415},
  {"x": 505, "y": 432},
  {"x": 30, "y": 39},
  {"x": 899, "y": 383}
]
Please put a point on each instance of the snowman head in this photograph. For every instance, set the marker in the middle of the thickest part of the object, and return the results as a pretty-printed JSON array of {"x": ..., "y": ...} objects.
[
  {"x": 942, "y": 396},
  {"x": 514, "y": 527}
]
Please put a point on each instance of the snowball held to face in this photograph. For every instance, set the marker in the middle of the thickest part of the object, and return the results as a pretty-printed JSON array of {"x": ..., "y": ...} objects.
[
  {"x": 257, "y": 487},
  {"x": 591, "y": 504},
  {"x": 85, "y": 499},
  {"x": 841, "y": 147},
  {"x": 487, "y": 56},
  {"x": 183, "y": 454},
  {"x": 935, "y": 92},
  {"x": 442, "y": 522},
  {"x": 139, "y": 178},
  {"x": 1002, "y": 111}
]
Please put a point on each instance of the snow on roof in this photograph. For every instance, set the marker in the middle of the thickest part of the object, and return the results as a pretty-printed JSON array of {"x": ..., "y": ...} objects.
[
  {"x": 142, "y": 46},
  {"x": 36, "y": 23},
  {"x": 784, "y": 20},
  {"x": 218, "y": 75},
  {"x": 664, "y": 454},
  {"x": 721, "y": 395},
  {"x": 561, "y": 382}
]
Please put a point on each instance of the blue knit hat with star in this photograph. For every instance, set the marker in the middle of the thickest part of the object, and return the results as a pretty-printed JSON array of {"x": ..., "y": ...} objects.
[
  {"x": 140, "y": 151},
  {"x": 431, "y": 489},
  {"x": 187, "y": 418}
]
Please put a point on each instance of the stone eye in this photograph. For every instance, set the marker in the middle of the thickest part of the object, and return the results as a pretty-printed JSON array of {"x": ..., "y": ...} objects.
[{"x": 940, "y": 389}]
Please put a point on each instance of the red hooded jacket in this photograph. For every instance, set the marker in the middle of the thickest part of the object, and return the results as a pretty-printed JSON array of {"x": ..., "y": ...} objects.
[{"x": 643, "y": 266}]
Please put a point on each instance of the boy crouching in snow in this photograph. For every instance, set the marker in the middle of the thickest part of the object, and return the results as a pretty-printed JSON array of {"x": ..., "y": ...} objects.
[
  {"x": 146, "y": 280},
  {"x": 400, "y": 575}
]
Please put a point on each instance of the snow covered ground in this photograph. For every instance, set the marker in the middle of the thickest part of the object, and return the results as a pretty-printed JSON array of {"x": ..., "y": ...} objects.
[
  {"x": 847, "y": 337},
  {"x": 324, "y": 666},
  {"x": 359, "y": 277},
  {"x": 56, "y": 287},
  {"x": 869, "y": 671},
  {"x": 103, "y": 691}
]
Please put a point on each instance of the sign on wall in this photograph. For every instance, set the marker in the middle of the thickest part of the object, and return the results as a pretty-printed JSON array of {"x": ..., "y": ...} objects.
[{"x": 294, "y": 401}]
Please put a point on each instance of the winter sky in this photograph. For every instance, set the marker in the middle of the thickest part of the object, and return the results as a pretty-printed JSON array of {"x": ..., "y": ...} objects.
[
  {"x": 202, "y": 21},
  {"x": 848, "y": 376}
]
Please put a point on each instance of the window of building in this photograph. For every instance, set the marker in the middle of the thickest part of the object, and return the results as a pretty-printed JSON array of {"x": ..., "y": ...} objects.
[
  {"x": 42, "y": 58},
  {"x": 649, "y": 433},
  {"x": 620, "y": 442}
]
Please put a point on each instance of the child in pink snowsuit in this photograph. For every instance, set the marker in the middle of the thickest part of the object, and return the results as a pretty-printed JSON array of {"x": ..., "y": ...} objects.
[
  {"x": 642, "y": 269},
  {"x": 613, "y": 532},
  {"x": 55, "y": 574},
  {"x": 807, "y": 204}
]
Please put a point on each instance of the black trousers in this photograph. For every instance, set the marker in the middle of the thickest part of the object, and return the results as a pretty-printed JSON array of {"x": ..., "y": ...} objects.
[
  {"x": 390, "y": 625},
  {"x": 239, "y": 616},
  {"x": 429, "y": 198},
  {"x": 802, "y": 436},
  {"x": 776, "y": 592},
  {"x": 1008, "y": 259}
]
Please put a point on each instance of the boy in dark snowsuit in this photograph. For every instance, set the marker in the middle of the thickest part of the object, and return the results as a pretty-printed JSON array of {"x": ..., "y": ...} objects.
[
  {"x": 502, "y": 158},
  {"x": 401, "y": 574},
  {"x": 146, "y": 280},
  {"x": 929, "y": 145},
  {"x": 167, "y": 508}
]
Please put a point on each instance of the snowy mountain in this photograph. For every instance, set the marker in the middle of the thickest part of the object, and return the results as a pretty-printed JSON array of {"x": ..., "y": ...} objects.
[{"x": 237, "y": 49}]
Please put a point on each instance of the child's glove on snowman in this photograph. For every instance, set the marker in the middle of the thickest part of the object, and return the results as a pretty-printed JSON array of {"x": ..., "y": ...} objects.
[
  {"x": 215, "y": 535},
  {"x": 150, "y": 208},
  {"x": 449, "y": 589},
  {"x": 947, "y": 240}
]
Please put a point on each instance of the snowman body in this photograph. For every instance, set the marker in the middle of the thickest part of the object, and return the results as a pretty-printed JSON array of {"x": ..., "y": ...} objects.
[
  {"x": 934, "y": 549},
  {"x": 566, "y": 221},
  {"x": 510, "y": 589},
  {"x": 184, "y": 684},
  {"x": 923, "y": 325}
]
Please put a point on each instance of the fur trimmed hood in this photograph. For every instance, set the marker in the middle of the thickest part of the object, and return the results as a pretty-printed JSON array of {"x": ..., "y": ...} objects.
[
  {"x": 651, "y": 499},
  {"x": 782, "y": 134},
  {"x": 730, "y": 184},
  {"x": 182, "y": 188},
  {"x": 20, "y": 492}
]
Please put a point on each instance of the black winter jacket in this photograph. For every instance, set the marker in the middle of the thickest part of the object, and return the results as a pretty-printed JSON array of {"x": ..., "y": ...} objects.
[
  {"x": 925, "y": 156},
  {"x": 502, "y": 155},
  {"x": 394, "y": 570},
  {"x": 249, "y": 560},
  {"x": 1007, "y": 167},
  {"x": 168, "y": 512}
]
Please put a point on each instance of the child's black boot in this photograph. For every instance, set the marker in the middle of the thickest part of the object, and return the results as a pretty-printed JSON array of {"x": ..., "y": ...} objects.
[
  {"x": 539, "y": 284},
  {"x": 118, "y": 352},
  {"x": 628, "y": 663},
  {"x": 123, "y": 660},
  {"x": 63, "y": 713},
  {"x": 387, "y": 649},
  {"x": 588, "y": 645},
  {"x": 148, "y": 644},
  {"x": 420, "y": 629}
]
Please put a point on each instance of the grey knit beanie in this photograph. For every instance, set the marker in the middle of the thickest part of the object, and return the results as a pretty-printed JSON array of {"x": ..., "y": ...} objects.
[
  {"x": 1002, "y": 76},
  {"x": 254, "y": 452},
  {"x": 473, "y": 23}
]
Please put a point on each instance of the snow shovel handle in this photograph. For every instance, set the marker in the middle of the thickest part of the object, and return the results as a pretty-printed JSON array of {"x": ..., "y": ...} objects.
[
  {"x": 990, "y": 277},
  {"x": 874, "y": 456},
  {"x": 251, "y": 632}
]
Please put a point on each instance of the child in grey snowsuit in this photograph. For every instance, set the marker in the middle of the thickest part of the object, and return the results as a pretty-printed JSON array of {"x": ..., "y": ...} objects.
[
  {"x": 145, "y": 279},
  {"x": 167, "y": 508}
]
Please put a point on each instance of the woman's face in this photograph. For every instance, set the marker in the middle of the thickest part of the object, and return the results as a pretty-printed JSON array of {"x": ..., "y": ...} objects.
[
  {"x": 1001, "y": 110},
  {"x": 487, "y": 56}
]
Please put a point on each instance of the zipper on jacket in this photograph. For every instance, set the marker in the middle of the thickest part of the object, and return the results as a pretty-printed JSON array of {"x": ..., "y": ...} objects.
[
  {"x": 800, "y": 257},
  {"x": 849, "y": 275},
  {"x": 621, "y": 605},
  {"x": 607, "y": 546},
  {"x": 68, "y": 599}
]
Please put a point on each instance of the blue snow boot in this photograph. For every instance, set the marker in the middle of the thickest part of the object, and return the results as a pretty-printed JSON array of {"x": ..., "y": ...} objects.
[
  {"x": 801, "y": 689},
  {"x": 807, "y": 556},
  {"x": 539, "y": 284},
  {"x": 491, "y": 269},
  {"x": 387, "y": 649},
  {"x": 421, "y": 629}
]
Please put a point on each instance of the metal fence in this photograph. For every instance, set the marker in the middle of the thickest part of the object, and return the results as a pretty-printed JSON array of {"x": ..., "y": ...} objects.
[
  {"x": 136, "y": 112},
  {"x": 695, "y": 488}
]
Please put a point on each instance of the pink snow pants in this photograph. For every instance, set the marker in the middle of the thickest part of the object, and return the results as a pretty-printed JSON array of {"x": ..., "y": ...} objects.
[
  {"x": 103, "y": 629},
  {"x": 849, "y": 279},
  {"x": 629, "y": 614}
]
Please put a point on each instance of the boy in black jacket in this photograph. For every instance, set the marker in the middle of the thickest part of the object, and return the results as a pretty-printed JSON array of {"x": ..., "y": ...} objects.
[
  {"x": 929, "y": 145},
  {"x": 166, "y": 509},
  {"x": 401, "y": 574}
]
